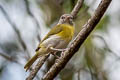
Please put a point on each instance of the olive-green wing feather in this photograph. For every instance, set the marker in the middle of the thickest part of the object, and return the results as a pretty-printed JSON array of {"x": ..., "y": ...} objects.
[{"x": 53, "y": 31}]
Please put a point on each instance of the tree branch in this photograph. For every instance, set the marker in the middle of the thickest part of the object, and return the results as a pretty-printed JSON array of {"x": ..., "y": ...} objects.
[
  {"x": 77, "y": 42},
  {"x": 77, "y": 8},
  {"x": 9, "y": 58},
  {"x": 37, "y": 67}
]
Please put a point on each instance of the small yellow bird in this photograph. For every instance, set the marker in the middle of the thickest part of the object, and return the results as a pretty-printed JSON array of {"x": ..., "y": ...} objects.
[{"x": 58, "y": 38}]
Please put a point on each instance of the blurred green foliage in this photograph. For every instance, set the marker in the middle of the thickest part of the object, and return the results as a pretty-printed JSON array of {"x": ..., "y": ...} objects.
[
  {"x": 102, "y": 25},
  {"x": 52, "y": 11}
]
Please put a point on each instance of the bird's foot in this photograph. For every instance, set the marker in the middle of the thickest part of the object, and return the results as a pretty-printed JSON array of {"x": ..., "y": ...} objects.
[
  {"x": 57, "y": 50},
  {"x": 54, "y": 51},
  {"x": 54, "y": 54}
]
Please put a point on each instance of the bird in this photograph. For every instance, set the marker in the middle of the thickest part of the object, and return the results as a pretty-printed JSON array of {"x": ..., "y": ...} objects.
[{"x": 57, "y": 39}]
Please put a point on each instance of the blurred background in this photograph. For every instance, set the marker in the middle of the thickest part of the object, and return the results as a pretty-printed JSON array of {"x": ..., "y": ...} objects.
[{"x": 23, "y": 23}]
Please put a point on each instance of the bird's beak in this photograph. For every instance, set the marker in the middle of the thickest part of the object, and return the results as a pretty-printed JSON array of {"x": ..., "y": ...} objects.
[{"x": 67, "y": 18}]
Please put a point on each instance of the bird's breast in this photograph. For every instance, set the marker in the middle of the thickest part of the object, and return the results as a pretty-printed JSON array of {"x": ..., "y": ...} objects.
[{"x": 67, "y": 32}]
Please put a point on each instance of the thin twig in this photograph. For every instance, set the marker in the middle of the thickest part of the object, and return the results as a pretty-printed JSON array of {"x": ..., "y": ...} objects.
[
  {"x": 9, "y": 58},
  {"x": 77, "y": 42},
  {"x": 6, "y": 57},
  {"x": 37, "y": 67},
  {"x": 77, "y": 8}
]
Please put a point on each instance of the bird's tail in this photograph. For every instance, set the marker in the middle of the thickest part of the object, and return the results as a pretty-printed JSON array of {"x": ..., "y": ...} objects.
[{"x": 30, "y": 62}]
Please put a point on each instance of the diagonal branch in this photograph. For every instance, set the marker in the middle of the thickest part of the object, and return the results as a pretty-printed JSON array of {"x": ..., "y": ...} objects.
[
  {"x": 9, "y": 58},
  {"x": 77, "y": 8},
  {"x": 77, "y": 42},
  {"x": 37, "y": 67},
  {"x": 6, "y": 57}
]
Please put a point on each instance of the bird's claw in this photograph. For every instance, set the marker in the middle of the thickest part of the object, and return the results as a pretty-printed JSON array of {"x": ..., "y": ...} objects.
[{"x": 54, "y": 49}]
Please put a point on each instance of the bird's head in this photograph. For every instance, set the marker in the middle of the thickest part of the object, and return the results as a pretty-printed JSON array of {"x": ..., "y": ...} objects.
[{"x": 66, "y": 19}]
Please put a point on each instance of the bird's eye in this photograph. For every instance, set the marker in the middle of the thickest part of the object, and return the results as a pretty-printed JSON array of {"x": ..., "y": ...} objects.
[{"x": 63, "y": 17}]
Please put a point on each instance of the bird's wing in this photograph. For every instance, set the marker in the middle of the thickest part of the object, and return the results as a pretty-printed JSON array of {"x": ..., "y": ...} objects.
[{"x": 53, "y": 31}]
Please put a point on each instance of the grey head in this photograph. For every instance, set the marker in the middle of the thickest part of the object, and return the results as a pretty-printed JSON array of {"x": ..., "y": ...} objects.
[{"x": 66, "y": 19}]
